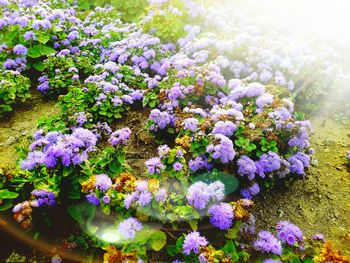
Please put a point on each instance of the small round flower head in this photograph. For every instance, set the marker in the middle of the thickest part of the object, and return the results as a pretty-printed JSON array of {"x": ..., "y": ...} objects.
[
  {"x": 161, "y": 195},
  {"x": 93, "y": 199},
  {"x": 103, "y": 182},
  {"x": 120, "y": 137},
  {"x": 267, "y": 243},
  {"x": 145, "y": 198},
  {"x": 246, "y": 167},
  {"x": 270, "y": 260},
  {"x": 128, "y": 228},
  {"x": 193, "y": 242},
  {"x": 217, "y": 191},
  {"x": 190, "y": 124},
  {"x": 106, "y": 199},
  {"x": 177, "y": 166},
  {"x": 154, "y": 165},
  {"x": 20, "y": 50},
  {"x": 56, "y": 259},
  {"x": 221, "y": 215},
  {"x": 141, "y": 186},
  {"x": 289, "y": 233},
  {"x": 198, "y": 195},
  {"x": 222, "y": 150},
  {"x": 129, "y": 199},
  {"x": 226, "y": 128},
  {"x": 319, "y": 237}
]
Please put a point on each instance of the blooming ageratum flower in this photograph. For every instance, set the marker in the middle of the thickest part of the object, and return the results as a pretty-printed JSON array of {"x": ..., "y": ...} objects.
[
  {"x": 289, "y": 233},
  {"x": 120, "y": 137},
  {"x": 223, "y": 150},
  {"x": 221, "y": 215},
  {"x": 93, "y": 199},
  {"x": 269, "y": 162},
  {"x": 200, "y": 194},
  {"x": 141, "y": 186},
  {"x": 103, "y": 182},
  {"x": 267, "y": 243},
  {"x": 144, "y": 198},
  {"x": 190, "y": 124},
  {"x": 193, "y": 242},
  {"x": 348, "y": 155},
  {"x": 319, "y": 237},
  {"x": 270, "y": 260},
  {"x": 161, "y": 195},
  {"x": 177, "y": 166},
  {"x": 154, "y": 165},
  {"x": 128, "y": 228},
  {"x": 246, "y": 167},
  {"x": 20, "y": 50},
  {"x": 226, "y": 128}
]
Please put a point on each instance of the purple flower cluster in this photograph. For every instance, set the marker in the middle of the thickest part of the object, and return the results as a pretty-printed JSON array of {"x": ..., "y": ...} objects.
[
  {"x": 103, "y": 182},
  {"x": 269, "y": 162},
  {"x": 160, "y": 120},
  {"x": 246, "y": 167},
  {"x": 120, "y": 137},
  {"x": 129, "y": 227},
  {"x": 267, "y": 243},
  {"x": 222, "y": 150},
  {"x": 193, "y": 241},
  {"x": 56, "y": 148},
  {"x": 289, "y": 233},
  {"x": 155, "y": 165},
  {"x": 200, "y": 194},
  {"x": 226, "y": 128},
  {"x": 221, "y": 215},
  {"x": 198, "y": 163},
  {"x": 142, "y": 196}
]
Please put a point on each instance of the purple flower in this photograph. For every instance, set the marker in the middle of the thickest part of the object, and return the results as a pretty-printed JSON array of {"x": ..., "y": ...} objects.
[
  {"x": 270, "y": 260},
  {"x": 106, "y": 199},
  {"x": 221, "y": 215},
  {"x": 142, "y": 186},
  {"x": 193, "y": 242},
  {"x": 198, "y": 163},
  {"x": 129, "y": 199},
  {"x": 319, "y": 237},
  {"x": 92, "y": 199},
  {"x": 223, "y": 150},
  {"x": 120, "y": 137},
  {"x": 20, "y": 50},
  {"x": 128, "y": 228},
  {"x": 177, "y": 166},
  {"x": 154, "y": 165},
  {"x": 29, "y": 35},
  {"x": 269, "y": 162},
  {"x": 56, "y": 259},
  {"x": 190, "y": 124},
  {"x": 267, "y": 243},
  {"x": 103, "y": 182},
  {"x": 161, "y": 195},
  {"x": 246, "y": 167},
  {"x": 199, "y": 194},
  {"x": 144, "y": 198},
  {"x": 161, "y": 119},
  {"x": 226, "y": 128},
  {"x": 289, "y": 233}
]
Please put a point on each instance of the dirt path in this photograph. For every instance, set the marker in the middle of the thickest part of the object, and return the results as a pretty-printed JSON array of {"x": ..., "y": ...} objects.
[
  {"x": 321, "y": 202},
  {"x": 22, "y": 122}
]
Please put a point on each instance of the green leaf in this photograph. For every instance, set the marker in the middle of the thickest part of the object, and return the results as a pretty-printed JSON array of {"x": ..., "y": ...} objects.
[
  {"x": 43, "y": 39},
  {"x": 171, "y": 250},
  {"x": 158, "y": 240},
  {"x": 46, "y": 50},
  {"x": 194, "y": 224},
  {"x": 39, "y": 65},
  {"x": 6, "y": 194},
  {"x": 6, "y": 205},
  {"x": 34, "y": 52}
]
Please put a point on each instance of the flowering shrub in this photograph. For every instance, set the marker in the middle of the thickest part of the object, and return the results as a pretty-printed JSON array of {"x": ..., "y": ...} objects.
[
  {"x": 14, "y": 88},
  {"x": 221, "y": 122}
]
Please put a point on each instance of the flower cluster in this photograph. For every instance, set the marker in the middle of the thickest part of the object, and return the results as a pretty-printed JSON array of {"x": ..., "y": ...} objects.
[
  {"x": 56, "y": 148},
  {"x": 129, "y": 227},
  {"x": 120, "y": 137},
  {"x": 200, "y": 194}
]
